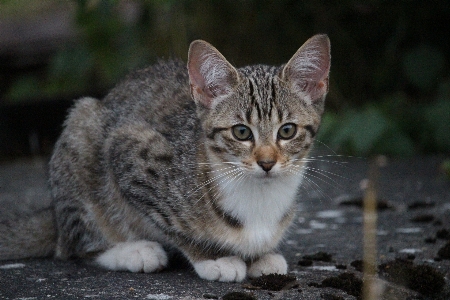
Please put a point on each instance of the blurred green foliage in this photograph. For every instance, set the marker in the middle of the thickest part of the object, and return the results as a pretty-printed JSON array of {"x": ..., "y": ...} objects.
[
  {"x": 446, "y": 167},
  {"x": 390, "y": 83}
]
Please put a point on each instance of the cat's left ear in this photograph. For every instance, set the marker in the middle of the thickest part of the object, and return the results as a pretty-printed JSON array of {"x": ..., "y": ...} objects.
[
  {"x": 308, "y": 70},
  {"x": 211, "y": 76}
]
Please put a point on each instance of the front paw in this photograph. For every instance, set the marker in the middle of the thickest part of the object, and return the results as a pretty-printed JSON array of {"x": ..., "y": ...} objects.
[
  {"x": 226, "y": 269},
  {"x": 268, "y": 264},
  {"x": 140, "y": 256}
]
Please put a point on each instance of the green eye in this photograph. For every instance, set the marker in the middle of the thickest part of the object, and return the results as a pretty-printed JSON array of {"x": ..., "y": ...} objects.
[
  {"x": 287, "y": 131},
  {"x": 242, "y": 132}
]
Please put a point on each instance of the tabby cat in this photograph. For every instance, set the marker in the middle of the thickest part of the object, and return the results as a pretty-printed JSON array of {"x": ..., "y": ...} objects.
[{"x": 206, "y": 159}]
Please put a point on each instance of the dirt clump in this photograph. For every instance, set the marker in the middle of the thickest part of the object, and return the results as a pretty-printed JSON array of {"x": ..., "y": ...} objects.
[
  {"x": 347, "y": 282},
  {"x": 443, "y": 234},
  {"x": 426, "y": 218},
  {"x": 444, "y": 252},
  {"x": 274, "y": 282},
  {"x": 358, "y": 202},
  {"x": 420, "y": 278},
  {"x": 421, "y": 204},
  {"x": 326, "y": 296},
  {"x": 239, "y": 296},
  {"x": 305, "y": 262},
  {"x": 319, "y": 256},
  {"x": 358, "y": 265}
]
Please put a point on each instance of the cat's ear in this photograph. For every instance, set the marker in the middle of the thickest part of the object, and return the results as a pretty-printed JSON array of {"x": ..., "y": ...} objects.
[
  {"x": 307, "y": 71},
  {"x": 211, "y": 76}
]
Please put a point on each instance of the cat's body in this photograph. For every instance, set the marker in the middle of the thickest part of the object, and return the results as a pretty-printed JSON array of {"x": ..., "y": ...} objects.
[{"x": 215, "y": 177}]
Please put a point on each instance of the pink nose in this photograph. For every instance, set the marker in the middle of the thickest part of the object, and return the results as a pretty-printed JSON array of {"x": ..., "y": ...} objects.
[{"x": 266, "y": 165}]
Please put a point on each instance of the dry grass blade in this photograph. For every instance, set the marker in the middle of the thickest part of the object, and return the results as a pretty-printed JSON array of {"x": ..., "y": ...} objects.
[{"x": 370, "y": 238}]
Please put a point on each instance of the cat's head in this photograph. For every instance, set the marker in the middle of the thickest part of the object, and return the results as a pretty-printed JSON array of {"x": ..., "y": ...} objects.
[{"x": 260, "y": 118}]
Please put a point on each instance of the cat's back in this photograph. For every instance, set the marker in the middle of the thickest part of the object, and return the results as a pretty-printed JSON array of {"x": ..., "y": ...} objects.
[
  {"x": 145, "y": 123},
  {"x": 152, "y": 94},
  {"x": 154, "y": 98}
]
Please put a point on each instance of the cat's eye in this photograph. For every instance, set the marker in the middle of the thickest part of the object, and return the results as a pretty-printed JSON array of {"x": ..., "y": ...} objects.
[
  {"x": 287, "y": 131},
  {"x": 242, "y": 132}
]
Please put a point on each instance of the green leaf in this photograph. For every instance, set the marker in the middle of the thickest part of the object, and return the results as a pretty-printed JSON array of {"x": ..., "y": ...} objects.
[
  {"x": 327, "y": 126},
  {"x": 395, "y": 142},
  {"x": 372, "y": 124}
]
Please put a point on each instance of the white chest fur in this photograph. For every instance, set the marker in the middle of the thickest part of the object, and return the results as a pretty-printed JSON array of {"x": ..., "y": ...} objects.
[{"x": 260, "y": 204}]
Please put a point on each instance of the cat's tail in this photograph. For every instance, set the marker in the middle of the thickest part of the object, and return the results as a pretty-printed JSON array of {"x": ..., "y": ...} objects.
[{"x": 23, "y": 236}]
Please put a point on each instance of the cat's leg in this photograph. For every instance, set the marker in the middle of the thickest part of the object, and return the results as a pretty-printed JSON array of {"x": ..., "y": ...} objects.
[
  {"x": 73, "y": 171},
  {"x": 139, "y": 256},
  {"x": 268, "y": 264},
  {"x": 137, "y": 157},
  {"x": 76, "y": 236},
  {"x": 211, "y": 265},
  {"x": 226, "y": 269}
]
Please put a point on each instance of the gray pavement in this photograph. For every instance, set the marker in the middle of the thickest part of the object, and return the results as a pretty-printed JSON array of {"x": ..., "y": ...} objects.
[{"x": 415, "y": 191}]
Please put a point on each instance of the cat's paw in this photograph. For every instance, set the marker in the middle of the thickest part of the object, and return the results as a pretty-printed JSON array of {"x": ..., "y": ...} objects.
[
  {"x": 140, "y": 256},
  {"x": 226, "y": 269},
  {"x": 268, "y": 264}
]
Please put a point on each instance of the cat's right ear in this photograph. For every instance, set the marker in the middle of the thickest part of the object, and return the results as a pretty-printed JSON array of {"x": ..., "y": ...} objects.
[
  {"x": 308, "y": 70},
  {"x": 211, "y": 76}
]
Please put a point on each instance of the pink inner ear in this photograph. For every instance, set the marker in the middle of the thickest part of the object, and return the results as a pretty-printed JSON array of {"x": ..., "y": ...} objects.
[
  {"x": 210, "y": 74},
  {"x": 308, "y": 69},
  {"x": 195, "y": 77},
  {"x": 201, "y": 95},
  {"x": 199, "y": 86},
  {"x": 318, "y": 90},
  {"x": 320, "y": 85}
]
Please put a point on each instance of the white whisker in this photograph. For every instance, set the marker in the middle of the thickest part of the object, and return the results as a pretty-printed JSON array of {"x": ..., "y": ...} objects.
[{"x": 207, "y": 182}]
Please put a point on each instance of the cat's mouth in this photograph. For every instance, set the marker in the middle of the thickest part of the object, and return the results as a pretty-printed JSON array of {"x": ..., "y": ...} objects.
[{"x": 266, "y": 175}]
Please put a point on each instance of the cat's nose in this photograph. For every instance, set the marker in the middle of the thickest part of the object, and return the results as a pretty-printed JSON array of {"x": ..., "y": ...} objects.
[{"x": 266, "y": 165}]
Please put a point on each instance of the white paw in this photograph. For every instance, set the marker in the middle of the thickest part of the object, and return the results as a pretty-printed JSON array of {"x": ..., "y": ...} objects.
[
  {"x": 230, "y": 268},
  {"x": 268, "y": 264},
  {"x": 140, "y": 256}
]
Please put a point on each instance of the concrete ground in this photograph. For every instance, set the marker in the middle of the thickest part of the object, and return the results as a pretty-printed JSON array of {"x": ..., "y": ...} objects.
[{"x": 414, "y": 198}]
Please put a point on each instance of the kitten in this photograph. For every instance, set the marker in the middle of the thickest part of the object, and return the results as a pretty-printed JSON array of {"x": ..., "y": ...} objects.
[{"x": 207, "y": 160}]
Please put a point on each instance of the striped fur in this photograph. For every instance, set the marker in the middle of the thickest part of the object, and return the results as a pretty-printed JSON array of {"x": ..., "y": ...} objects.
[{"x": 147, "y": 166}]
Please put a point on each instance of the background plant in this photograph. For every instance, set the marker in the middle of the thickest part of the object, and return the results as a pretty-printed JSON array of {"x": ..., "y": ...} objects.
[{"x": 390, "y": 84}]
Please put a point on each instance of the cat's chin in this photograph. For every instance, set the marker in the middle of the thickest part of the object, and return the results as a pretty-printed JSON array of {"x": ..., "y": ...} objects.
[{"x": 267, "y": 176}]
